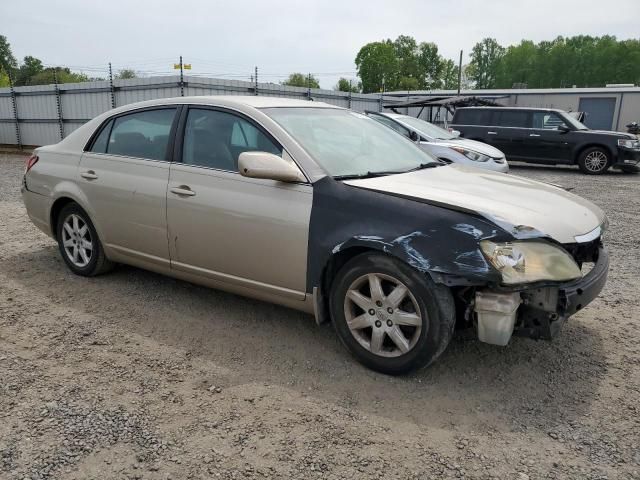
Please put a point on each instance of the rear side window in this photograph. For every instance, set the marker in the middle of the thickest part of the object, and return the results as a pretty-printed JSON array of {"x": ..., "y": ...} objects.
[
  {"x": 390, "y": 123},
  {"x": 472, "y": 117},
  {"x": 141, "y": 135},
  {"x": 510, "y": 118}
]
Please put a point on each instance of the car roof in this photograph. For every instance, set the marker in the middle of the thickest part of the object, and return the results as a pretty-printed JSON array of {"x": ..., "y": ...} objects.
[
  {"x": 230, "y": 100},
  {"x": 535, "y": 109}
]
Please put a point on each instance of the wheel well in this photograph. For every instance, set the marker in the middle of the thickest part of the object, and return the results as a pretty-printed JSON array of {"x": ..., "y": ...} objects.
[
  {"x": 592, "y": 145},
  {"x": 56, "y": 208}
]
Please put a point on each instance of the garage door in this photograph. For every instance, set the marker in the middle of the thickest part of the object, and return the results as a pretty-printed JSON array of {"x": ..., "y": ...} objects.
[{"x": 599, "y": 112}]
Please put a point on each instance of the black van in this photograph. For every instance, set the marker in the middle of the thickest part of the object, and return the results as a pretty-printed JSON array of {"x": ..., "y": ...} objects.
[{"x": 550, "y": 136}]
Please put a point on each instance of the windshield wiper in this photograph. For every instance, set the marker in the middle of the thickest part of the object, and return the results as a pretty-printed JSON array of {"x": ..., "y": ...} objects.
[
  {"x": 422, "y": 166},
  {"x": 354, "y": 176}
]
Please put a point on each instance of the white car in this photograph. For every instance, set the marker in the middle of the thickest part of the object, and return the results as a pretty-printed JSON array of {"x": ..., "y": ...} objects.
[{"x": 444, "y": 145}]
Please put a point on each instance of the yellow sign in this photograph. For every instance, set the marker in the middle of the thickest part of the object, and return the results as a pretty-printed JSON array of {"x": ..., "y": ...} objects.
[
  {"x": 187, "y": 66},
  {"x": 176, "y": 66}
]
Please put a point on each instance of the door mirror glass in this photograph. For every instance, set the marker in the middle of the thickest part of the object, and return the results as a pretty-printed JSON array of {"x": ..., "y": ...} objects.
[
  {"x": 414, "y": 136},
  {"x": 455, "y": 133},
  {"x": 268, "y": 166}
]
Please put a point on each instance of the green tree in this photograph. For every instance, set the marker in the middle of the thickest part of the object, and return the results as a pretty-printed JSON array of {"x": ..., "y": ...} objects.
[
  {"x": 31, "y": 66},
  {"x": 8, "y": 63},
  {"x": 449, "y": 75},
  {"x": 485, "y": 59},
  {"x": 346, "y": 85},
  {"x": 4, "y": 80},
  {"x": 431, "y": 65},
  {"x": 126, "y": 73},
  {"x": 301, "y": 80},
  {"x": 63, "y": 74},
  {"x": 378, "y": 66}
]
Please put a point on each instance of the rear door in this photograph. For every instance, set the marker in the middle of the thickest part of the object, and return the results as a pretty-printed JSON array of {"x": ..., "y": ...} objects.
[
  {"x": 243, "y": 231},
  {"x": 124, "y": 176},
  {"x": 507, "y": 131}
]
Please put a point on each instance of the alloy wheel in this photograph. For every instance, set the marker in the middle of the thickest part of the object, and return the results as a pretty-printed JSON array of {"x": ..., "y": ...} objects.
[
  {"x": 382, "y": 315},
  {"x": 77, "y": 241},
  {"x": 595, "y": 161}
]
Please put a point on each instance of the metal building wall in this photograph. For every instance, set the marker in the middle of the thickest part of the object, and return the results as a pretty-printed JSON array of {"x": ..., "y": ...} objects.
[{"x": 46, "y": 113}]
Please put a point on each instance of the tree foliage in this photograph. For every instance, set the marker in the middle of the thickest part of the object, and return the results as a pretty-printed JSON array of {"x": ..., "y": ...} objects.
[
  {"x": 8, "y": 63},
  {"x": 302, "y": 80},
  {"x": 126, "y": 73},
  {"x": 346, "y": 85},
  {"x": 402, "y": 64},
  {"x": 584, "y": 61}
]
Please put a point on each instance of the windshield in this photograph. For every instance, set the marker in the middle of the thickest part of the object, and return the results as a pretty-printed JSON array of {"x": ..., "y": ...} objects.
[
  {"x": 574, "y": 122},
  {"x": 348, "y": 143},
  {"x": 429, "y": 129}
]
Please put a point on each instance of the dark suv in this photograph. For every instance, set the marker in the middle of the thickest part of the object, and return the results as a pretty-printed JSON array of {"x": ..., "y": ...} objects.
[{"x": 548, "y": 136}]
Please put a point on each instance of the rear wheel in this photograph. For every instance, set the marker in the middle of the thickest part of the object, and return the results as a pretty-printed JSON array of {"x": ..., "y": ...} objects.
[
  {"x": 594, "y": 161},
  {"x": 391, "y": 317},
  {"x": 79, "y": 244}
]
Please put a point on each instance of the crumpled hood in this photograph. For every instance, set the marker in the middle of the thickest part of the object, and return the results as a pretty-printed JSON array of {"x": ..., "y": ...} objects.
[
  {"x": 481, "y": 147},
  {"x": 508, "y": 200}
]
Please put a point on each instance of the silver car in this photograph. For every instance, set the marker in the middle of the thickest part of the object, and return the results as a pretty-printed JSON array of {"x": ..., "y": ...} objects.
[
  {"x": 444, "y": 145},
  {"x": 324, "y": 210}
]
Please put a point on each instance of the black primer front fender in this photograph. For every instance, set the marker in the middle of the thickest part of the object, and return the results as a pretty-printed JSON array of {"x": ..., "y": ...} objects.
[{"x": 440, "y": 241}]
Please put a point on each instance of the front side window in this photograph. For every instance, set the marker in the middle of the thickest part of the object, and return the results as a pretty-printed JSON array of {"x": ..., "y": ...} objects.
[
  {"x": 215, "y": 139},
  {"x": 141, "y": 135},
  {"x": 547, "y": 121},
  {"x": 347, "y": 143}
]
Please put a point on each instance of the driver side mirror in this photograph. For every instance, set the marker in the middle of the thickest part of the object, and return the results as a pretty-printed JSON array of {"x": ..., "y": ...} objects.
[
  {"x": 414, "y": 136},
  {"x": 268, "y": 166},
  {"x": 563, "y": 128}
]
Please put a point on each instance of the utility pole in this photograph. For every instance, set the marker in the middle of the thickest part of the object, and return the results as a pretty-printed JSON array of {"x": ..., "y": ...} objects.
[
  {"x": 111, "y": 89},
  {"x": 350, "y": 90},
  {"x": 255, "y": 86},
  {"x": 15, "y": 112},
  {"x": 58, "y": 103},
  {"x": 181, "y": 78},
  {"x": 308, "y": 86},
  {"x": 460, "y": 73}
]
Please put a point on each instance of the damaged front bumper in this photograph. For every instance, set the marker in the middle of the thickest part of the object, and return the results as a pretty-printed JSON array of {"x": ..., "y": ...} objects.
[{"x": 537, "y": 312}]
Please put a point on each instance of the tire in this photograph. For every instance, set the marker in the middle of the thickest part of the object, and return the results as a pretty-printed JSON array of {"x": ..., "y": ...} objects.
[
  {"x": 426, "y": 314},
  {"x": 76, "y": 233},
  {"x": 594, "y": 161}
]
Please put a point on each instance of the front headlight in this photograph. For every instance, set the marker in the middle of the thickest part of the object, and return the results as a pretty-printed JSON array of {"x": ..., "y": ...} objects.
[
  {"x": 628, "y": 143},
  {"x": 526, "y": 262},
  {"x": 472, "y": 154}
]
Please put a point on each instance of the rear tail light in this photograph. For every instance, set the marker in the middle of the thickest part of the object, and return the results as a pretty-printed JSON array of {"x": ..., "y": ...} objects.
[{"x": 31, "y": 161}]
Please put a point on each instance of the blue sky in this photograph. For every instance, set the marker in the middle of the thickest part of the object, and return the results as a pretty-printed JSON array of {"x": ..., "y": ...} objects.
[{"x": 228, "y": 38}]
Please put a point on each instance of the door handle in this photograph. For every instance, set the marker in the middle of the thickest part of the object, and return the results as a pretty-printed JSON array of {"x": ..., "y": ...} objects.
[
  {"x": 89, "y": 175},
  {"x": 534, "y": 135},
  {"x": 183, "y": 190},
  {"x": 492, "y": 133}
]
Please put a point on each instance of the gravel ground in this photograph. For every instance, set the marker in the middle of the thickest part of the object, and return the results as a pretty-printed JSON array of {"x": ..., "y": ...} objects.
[{"x": 134, "y": 375}]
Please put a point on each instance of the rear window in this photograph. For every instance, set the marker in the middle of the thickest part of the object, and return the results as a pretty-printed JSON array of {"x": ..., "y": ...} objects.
[
  {"x": 510, "y": 118},
  {"x": 472, "y": 117}
]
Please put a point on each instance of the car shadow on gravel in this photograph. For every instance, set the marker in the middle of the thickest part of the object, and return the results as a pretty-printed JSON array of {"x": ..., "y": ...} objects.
[{"x": 527, "y": 384}]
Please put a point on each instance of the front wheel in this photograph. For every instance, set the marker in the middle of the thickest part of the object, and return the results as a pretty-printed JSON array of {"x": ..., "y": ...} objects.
[
  {"x": 390, "y": 316},
  {"x": 594, "y": 161}
]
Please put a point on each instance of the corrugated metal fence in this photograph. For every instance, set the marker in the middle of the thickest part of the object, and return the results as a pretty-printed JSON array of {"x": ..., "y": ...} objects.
[{"x": 44, "y": 114}]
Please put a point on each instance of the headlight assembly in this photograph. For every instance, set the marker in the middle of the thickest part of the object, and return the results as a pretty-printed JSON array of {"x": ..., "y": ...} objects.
[
  {"x": 628, "y": 143},
  {"x": 472, "y": 155},
  {"x": 527, "y": 262}
]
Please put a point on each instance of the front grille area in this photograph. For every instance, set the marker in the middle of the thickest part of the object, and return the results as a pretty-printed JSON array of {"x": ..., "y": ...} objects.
[{"x": 584, "y": 252}]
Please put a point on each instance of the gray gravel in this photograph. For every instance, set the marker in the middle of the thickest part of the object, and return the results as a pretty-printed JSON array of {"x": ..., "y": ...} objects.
[{"x": 134, "y": 375}]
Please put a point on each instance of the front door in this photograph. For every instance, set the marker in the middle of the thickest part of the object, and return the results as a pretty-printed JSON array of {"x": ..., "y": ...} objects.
[
  {"x": 124, "y": 176},
  {"x": 233, "y": 229},
  {"x": 546, "y": 142}
]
